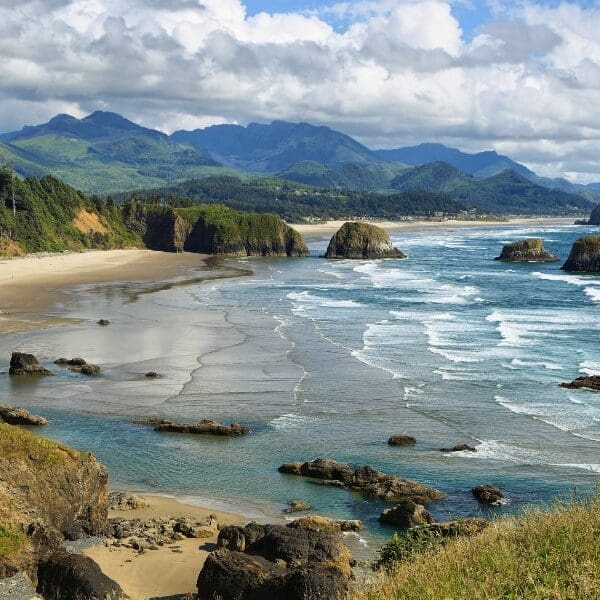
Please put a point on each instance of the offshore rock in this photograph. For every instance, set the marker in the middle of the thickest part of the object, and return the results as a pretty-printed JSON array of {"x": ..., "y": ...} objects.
[
  {"x": 589, "y": 382},
  {"x": 488, "y": 494},
  {"x": 459, "y": 448},
  {"x": 22, "y": 363},
  {"x": 360, "y": 240},
  {"x": 402, "y": 440},
  {"x": 594, "y": 217},
  {"x": 406, "y": 514},
  {"x": 63, "y": 575},
  {"x": 20, "y": 416},
  {"x": 367, "y": 480},
  {"x": 585, "y": 255},
  {"x": 205, "y": 427},
  {"x": 319, "y": 523},
  {"x": 530, "y": 250}
]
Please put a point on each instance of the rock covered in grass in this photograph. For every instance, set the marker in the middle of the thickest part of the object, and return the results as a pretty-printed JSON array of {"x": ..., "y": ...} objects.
[
  {"x": 359, "y": 240},
  {"x": 488, "y": 494},
  {"x": 530, "y": 250},
  {"x": 64, "y": 575},
  {"x": 584, "y": 256},
  {"x": 20, "y": 416},
  {"x": 590, "y": 382},
  {"x": 22, "y": 363},
  {"x": 369, "y": 481},
  {"x": 402, "y": 440},
  {"x": 406, "y": 514}
]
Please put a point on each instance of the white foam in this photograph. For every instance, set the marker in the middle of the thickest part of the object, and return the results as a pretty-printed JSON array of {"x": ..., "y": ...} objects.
[
  {"x": 531, "y": 363},
  {"x": 593, "y": 293},
  {"x": 589, "y": 367},
  {"x": 290, "y": 421},
  {"x": 307, "y": 301}
]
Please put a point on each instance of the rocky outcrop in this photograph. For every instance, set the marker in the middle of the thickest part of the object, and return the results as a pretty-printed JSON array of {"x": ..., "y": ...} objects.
[
  {"x": 48, "y": 492},
  {"x": 297, "y": 506},
  {"x": 272, "y": 562},
  {"x": 78, "y": 365},
  {"x": 204, "y": 427},
  {"x": 360, "y": 240},
  {"x": 161, "y": 228},
  {"x": 20, "y": 416},
  {"x": 584, "y": 256},
  {"x": 488, "y": 494},
  {"x": 588, "y": 382},
  {"x": 594, "y": 217},
  {"x": 367, "y": 480},
  {"x": 530, "y": 250},
  {"x": 327, "y": 524},
  {"x": 64, "y": 575},
  {"x": 22, "y": 363},
  {"x": 458, "y": 528},
  {"x": 402, "y": 440},
  {"x": 459, "y": 448},
  {"x": 104, "y": 322},
  {"x": 406, "y": 514},
  {"x": 126, "y": 501}
]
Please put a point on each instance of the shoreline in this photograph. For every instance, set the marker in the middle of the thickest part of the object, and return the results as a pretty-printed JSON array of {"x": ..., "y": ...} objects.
[
  {"x": 34, "y": 286},
  {"x": 330, "y": 227}
]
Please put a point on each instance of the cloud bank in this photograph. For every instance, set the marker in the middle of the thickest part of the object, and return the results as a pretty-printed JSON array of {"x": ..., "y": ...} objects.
[{"x": 397, "y": 72}]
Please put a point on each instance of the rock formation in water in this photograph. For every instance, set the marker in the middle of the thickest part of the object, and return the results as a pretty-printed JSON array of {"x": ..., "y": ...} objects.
[
  {"x": 590, "y": 382},
  {"x": 48, "y": 493},
  {"x": 459, "y": 448},
  {"x": 20, "y": 416},
  {"x": 530, "y": 250},
  {"x": 488, "y": 494},
  {"x": 585, "y": 255},
  {"x": 367, "y": 480},
  {"x": 272, "y": 562},
  {"x": 595, "y": 216},
  {"x": 22, "y": 363},
  {"x": 360, "y": 240},
  {"x": 406, "y": 514},
  {"x": 204, "y": 427},
  {"x": 402, "y": 440}
]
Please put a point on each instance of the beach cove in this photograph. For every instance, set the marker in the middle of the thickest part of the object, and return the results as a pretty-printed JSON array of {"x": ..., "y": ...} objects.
[{"x": 320, "y": 358}]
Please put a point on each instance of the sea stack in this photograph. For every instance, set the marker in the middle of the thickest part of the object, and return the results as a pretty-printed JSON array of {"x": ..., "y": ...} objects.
[
  {"x": 585, "y": 255},
  {"x": 530, "y": 250},
  {"x": 595, "y": 216},
  {"x": 360, "y": 240}
]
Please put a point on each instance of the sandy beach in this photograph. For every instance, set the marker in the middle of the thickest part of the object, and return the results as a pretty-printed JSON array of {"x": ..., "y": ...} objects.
[
  {"x": 164, "y": 572},
  {"x": 330, "y": 227},
  {"x": 33, "y": 284}
]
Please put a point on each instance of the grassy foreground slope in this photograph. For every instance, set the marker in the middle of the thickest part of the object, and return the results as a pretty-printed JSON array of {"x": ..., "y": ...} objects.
[{"x": 538, "y": 555}]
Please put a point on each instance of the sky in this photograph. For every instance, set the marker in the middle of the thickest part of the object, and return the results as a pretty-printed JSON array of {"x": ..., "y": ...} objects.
[{"x": 518, "y": 76}]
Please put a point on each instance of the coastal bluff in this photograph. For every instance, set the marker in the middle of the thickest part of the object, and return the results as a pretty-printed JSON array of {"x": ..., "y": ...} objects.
[
  {"x": 48, "y": 493},
  {"x": 529, "y": 250},
  {"x": 213, "y": 229},
  {"x": 359, "y": 240},
  {"x": 584, "y": 256}
]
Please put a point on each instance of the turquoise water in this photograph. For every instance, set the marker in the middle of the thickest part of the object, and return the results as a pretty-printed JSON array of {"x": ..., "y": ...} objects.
[{"x": 329, "y": 358}]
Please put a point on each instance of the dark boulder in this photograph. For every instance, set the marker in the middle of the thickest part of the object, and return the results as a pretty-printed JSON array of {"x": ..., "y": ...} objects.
[
  {"x": 20, "y": 416},
  {"x": 367, "y": 480},
  {"x": 104, "y": 322},
  {"x": 402, "y": 440},
  {"x": 87, "y": 370},
  {"x": 584, "y": 256},
  {"x": 63, "y": 576},
  {"x": 359, "y": 240},
  {"x": 406, "y": 514},
  {"x": 589, "y": 382},
  {"x": 22, "y": 363},
  {"x": 205, "y": 427},
  {"x": 70, "y": 362},
  {"x": 594, "y": 217},
  {"x": 152, "y": 375},
  {"x": 239, "y": 576},
  {"x": 459, "y": 448},
  {"x": 531, "y": 250},
  {"x": 488, "y": 494}
]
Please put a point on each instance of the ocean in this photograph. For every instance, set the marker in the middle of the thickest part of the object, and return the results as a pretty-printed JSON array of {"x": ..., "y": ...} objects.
[{"x": 330, "y": 358}]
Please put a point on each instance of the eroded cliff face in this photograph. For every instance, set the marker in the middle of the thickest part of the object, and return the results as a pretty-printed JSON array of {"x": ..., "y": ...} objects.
[
  {"x": 159, "y": 227},
  {"x": 585, "y": 255},
  {"x": 360, "y": 240},
  {"x": 48, "y": 493},
  {"x": 595, "y": 216}
]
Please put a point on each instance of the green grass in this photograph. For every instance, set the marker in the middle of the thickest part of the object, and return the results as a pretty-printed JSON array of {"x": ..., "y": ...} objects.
[
  {"x": 539, "y": 555},
  {"x": 10, "y": 541},
  {"x": 17, "y": 443}
]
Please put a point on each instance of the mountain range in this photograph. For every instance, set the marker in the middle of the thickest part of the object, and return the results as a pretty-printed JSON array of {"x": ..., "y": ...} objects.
[{"x": 105, "y": 152}]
